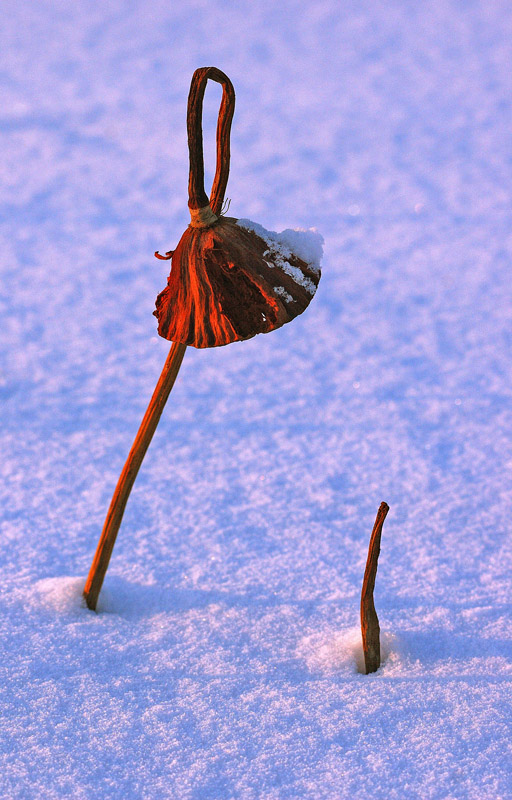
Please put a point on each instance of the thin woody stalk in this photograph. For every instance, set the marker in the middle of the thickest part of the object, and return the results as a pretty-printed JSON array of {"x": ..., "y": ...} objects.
[
  {"x": 224, "y": 286},
  {"x": 197, "y": 200},
  {"x": 127, "y": 478},
  {"x": 370, "y": 629}
]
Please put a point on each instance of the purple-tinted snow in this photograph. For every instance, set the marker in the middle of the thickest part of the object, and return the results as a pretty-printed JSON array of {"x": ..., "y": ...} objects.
[{"x": 223, "y": 662}]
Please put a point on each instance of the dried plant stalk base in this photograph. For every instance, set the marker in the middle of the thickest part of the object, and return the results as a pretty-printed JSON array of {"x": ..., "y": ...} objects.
[
  {"x": 370, "y": 628},
  {"x": 127, "y": 478}
]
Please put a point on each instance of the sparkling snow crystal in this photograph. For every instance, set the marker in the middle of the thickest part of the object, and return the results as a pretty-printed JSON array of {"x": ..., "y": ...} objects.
[{"x": 305, "y": 244}]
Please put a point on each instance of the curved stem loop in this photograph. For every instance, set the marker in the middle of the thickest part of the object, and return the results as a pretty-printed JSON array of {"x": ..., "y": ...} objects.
[{"x": 197, "y": 197}]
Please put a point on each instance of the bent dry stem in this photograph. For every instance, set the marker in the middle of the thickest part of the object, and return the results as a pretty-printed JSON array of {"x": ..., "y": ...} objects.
[
  {"x": 127, "y": 478},
  {"x": 370, "y": 629}
]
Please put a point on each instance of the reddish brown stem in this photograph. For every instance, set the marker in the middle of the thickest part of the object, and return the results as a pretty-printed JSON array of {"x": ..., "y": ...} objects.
[
  {"x": 370, "y": 629},
  {"x": 197, "y": 197},
  {"x": 127, "y": 478}
]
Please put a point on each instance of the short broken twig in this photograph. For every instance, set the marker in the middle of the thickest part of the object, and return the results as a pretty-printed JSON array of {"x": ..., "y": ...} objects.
[{"x": 370, "y": 629}]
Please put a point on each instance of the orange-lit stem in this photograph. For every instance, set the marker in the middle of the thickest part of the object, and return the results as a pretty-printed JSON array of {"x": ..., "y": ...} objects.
[{"x": 127, "y": 478}]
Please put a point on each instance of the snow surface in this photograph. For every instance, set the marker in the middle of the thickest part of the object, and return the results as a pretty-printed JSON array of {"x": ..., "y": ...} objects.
[
  {"x": 223, "y": 662},
  {"x": 304, "y": 244}
]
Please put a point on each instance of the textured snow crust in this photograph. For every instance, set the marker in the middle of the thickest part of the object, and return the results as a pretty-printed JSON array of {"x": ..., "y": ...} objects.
[
  {"x": 224, "y": 658},
  {"x": 306, "y": 245}
]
